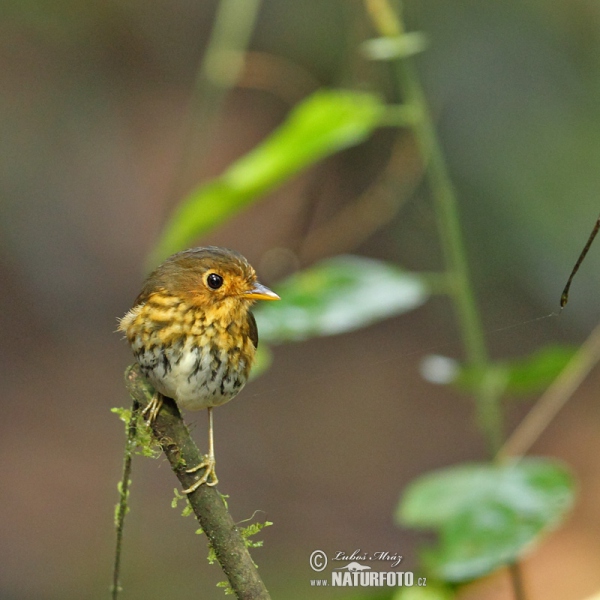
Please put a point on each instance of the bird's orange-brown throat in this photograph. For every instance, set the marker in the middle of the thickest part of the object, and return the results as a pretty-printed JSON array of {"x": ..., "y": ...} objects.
[{"x": 193, "y": 334}]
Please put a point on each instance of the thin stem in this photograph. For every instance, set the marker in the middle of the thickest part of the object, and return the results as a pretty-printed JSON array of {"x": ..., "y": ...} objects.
[
  {"x": 554, "y": 398},
  {"x": 122, "y": 507},
  {"x": 564, "y": 298},
  {"x": 487, "y": 400},
  {"x": 488, "y": 396},
  {"x": 516, "y": 577}
]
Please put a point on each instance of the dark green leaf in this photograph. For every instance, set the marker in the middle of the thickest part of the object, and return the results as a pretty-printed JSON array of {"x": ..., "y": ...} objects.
[
  {"x": 324, "y": 123},
  {"x": 487, "y": 515},
  {"x": 338, "y": 295}
]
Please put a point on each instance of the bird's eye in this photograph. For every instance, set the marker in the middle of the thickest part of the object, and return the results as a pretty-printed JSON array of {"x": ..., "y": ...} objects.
[{"x": 214, "y": 281}]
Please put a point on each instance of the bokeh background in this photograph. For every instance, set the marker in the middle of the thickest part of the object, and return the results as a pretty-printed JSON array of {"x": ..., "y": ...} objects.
[{"x": 94, "y": 116}]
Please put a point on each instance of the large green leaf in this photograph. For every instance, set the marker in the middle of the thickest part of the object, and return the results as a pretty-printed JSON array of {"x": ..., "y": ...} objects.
[
  {"x": 487, "y": 515},
  {"x": 338, "y": 295},
  {"x": 324, "y": 123}
]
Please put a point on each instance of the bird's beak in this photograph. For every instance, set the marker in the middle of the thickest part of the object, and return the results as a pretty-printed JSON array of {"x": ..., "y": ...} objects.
[{"x": 261, "y": 292}]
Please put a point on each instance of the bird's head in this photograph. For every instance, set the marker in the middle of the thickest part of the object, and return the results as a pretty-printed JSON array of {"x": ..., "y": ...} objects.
[{"x": 210, "y": 278}]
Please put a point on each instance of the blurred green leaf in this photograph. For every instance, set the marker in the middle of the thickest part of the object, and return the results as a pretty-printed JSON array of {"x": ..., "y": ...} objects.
[
  {"x": 367, "y": 595},
  {"x": 337, "y": 295},
  {"x": 523, "y": 376},
  {"x": 487, "y": 515},
  {"x": 429, "y": 592},
  {"x": 324, "y": 123},
  {"x": 263, "y": 360}
]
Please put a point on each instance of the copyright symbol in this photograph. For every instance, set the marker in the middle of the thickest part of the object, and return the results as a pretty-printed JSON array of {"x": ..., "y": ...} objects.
[{"x": 318, "y": 560}]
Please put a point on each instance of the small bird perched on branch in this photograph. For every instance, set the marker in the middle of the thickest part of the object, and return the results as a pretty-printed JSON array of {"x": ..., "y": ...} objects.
[{"x": 193, "y": 335}]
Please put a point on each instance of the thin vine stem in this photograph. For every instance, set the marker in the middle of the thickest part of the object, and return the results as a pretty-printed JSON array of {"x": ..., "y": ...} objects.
[
  {"x": 488, "y": 397},
  {"x": 389, "y": 24},
  {"x": 516, "y": 576},
  {"x": 123, "y": 505}
]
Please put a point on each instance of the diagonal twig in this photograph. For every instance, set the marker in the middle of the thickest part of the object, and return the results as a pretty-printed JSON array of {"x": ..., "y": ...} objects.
[{"x": 554, "y": 398}]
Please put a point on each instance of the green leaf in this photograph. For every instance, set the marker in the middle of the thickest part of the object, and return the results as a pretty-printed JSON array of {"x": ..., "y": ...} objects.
[
  {"x": 524, "y": 376},
  {"x": 487, "y": 515},
  {"x": 324, "y": 123},
  {"x": 337, "y": 295}
]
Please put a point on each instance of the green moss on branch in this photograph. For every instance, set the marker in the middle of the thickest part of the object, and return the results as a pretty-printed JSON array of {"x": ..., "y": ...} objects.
[{"x": 223, "y": 535}]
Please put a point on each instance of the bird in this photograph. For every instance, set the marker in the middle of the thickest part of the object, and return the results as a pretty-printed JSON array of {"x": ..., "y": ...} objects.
[{"x": 193, "y": 335}]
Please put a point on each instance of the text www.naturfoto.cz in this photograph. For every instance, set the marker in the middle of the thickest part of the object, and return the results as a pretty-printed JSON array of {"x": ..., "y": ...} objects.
[{"x": 369, "y": 579}]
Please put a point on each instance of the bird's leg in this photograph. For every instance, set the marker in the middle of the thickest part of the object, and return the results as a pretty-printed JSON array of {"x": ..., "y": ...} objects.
[
  {"x": 152, "y": 408},
  {"x": 210, "y": 476}
]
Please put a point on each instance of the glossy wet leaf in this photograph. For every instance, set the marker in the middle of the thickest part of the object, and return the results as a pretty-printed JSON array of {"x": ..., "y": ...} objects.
[
  {"x": 487, "y": 515},
  {"x": 338, "y": 295},
  {"x": 324, "y": 123}
]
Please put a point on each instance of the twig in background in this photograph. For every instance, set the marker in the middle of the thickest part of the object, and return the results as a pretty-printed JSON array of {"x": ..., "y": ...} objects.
[{"x": 554, "y": 398}]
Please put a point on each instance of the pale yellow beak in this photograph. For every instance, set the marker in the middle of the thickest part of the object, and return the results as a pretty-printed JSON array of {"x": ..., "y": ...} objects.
[{"x": 261, "y": 292}]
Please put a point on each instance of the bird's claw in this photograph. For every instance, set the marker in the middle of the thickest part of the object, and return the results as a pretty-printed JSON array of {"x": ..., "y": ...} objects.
[
  {"x": 209, "y": 478},
  {"x": 152, "y": 408}
]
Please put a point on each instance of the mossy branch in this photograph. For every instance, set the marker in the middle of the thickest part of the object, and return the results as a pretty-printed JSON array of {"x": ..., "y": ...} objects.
[{"x": 223, "y": 535}]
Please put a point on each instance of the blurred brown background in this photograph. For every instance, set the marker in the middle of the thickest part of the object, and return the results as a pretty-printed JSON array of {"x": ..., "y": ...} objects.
[{"x": 93, "y": 104}]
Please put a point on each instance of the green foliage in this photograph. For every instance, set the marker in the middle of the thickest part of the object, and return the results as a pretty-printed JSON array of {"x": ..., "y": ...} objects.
[
  {"x": 124, "y": 414},
  {"x": 429, "y": 592},
  {"x": 123, "y": 502},
  {"x": 337, "y": 295},
  {"x": 187, "y": 509},
  {"x": 144, "y": 443},
  {"x": 224, "y": 497},
  {"x": 226, "y": 588},
  {"x": 523, "y": 376},
  {"x": 246, "y": 533},
  {"x": 487, "y": 514},
  {"x": 253, "y": 529},
  {"x": 324, "y": 123}
]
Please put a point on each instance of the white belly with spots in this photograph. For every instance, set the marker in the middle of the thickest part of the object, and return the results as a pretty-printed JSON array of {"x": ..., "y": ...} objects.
[{"x": 195, "y": 377}]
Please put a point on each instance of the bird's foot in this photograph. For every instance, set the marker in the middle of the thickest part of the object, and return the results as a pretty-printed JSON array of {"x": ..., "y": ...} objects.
[
  {"x": 152, "y": 408},
  {"x": 209, "y": 478}
]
